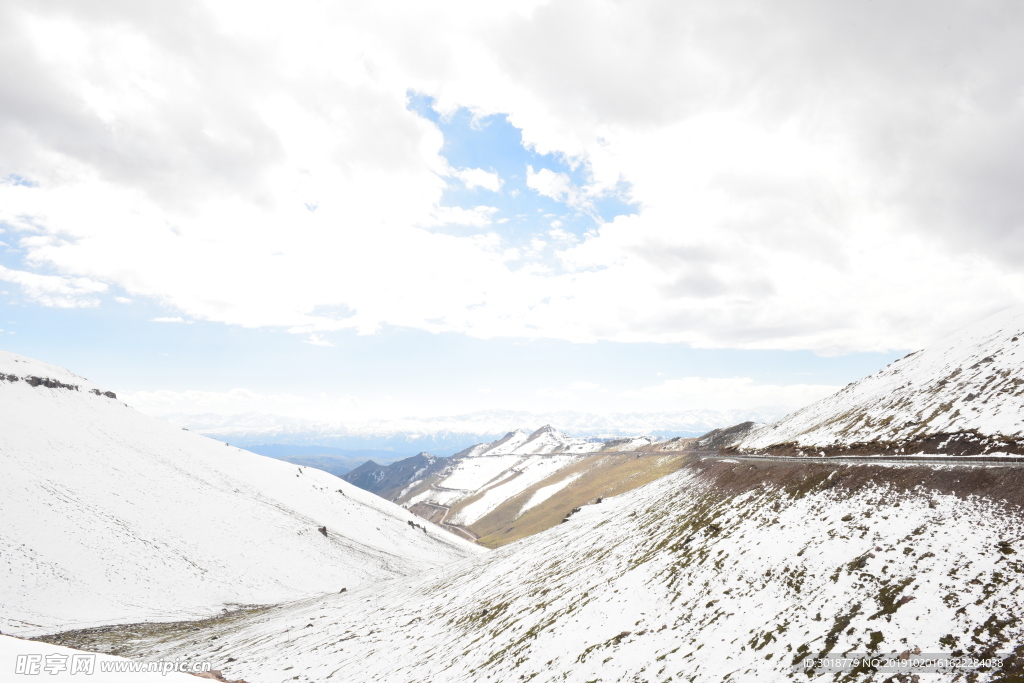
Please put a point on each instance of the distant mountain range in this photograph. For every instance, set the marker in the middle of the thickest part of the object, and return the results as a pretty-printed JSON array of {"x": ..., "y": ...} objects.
[{"x": 446, "y": 435}]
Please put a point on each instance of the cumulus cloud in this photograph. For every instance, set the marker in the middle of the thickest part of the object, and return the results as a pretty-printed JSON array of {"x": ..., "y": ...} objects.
[
  {"x": 810, "y": 176},
  {"x": 477, "y": 177},
  {"x": 557, "y": 186}
]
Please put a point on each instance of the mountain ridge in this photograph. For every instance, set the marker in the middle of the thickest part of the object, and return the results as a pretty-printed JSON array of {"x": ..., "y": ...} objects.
[{"x": 961, "y": 396}]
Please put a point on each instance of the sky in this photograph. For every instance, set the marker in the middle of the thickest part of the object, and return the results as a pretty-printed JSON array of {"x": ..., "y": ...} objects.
[{"x": 359, "y": 210}]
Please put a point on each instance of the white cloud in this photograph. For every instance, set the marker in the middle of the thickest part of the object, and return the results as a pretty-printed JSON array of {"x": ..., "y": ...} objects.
[
  {"x": 55, "y": 291},
  {"x": 809, "y": 177},
  {"x": 560, "y": 235},
  {"x": 318, "y": 340},
  {"x": 727, "y": 393},
  {"x": 478, "y": 216},
  {"x": 477, "y": 177},
  {"x": 557, "y": 186},
  {"x": 170, "y": 319},
  {"x": 122, "y": 300}
]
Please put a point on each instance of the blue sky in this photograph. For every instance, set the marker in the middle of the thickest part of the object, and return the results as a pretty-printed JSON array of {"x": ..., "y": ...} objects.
[{"x": 492, "y": 143}]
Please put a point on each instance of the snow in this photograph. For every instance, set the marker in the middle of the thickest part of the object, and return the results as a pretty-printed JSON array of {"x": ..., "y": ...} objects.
[
  {"x": 507, "y": 444},
  {"x": 476, "y": 450},
  {"x": 491, "y": 474},
  {"x": 524, "y": 474},
  {"x": 112, "y": 517},
  {"x": 672, "y": 580},
  {"x": 543, "y": 441},
  {"x": 545, "y": 492},
  {"x": 55, "y": 664},
  {"x": 970, "y": 380},
  {"x": 473, "y": 474}
]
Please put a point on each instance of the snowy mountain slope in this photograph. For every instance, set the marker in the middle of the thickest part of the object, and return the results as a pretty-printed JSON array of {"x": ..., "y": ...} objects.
[
  {"x": 548, "y": 440},
  {"x": 723, "y": 571},
  {"x": 544, "y": 441},
  {"x": 480, "y": 490},
  {"x": 481, "y": 478},
  {"x": 962, "y": 395},
  {"x": 514, "y": 477},
  {"x": 503, "y": 446},
  {"x": 112, "y": 516}
]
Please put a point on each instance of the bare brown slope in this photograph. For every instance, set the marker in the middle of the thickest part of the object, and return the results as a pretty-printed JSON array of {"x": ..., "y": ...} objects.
[
  {"x": 602, "y": 475},
  {"x": 607, "y": 473}
]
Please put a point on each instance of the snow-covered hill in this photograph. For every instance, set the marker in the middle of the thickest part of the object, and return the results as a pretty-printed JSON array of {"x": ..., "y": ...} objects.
[
  {"x": 112, "y": 516},
  {"x": 544, "y": 441},
  {"x": 962, "y": 395},
  {"x": 492, "y": 473},
  {"x": 722, "y": 571},
  {"x": 525, "y": 481}
]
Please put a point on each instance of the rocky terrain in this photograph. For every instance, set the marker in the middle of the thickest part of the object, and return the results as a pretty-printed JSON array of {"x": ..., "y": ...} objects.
[{"x": 389, "y": 481}]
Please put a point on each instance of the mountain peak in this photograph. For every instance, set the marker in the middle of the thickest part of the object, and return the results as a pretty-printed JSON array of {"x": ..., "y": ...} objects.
[{"x": 546, "y": 429}]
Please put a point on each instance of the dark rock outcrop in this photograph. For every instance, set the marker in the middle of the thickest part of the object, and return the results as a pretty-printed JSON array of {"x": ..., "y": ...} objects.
[
  {"x": 34, "y": 381},
  {"x": 388, "y": 480}
]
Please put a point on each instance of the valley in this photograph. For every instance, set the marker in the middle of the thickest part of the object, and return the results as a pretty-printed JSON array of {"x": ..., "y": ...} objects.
[{"x": 887, "y": 519}]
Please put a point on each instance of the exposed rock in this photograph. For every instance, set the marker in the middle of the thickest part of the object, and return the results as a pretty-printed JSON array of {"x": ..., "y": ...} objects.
[{"x": 34, "y": 381}]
